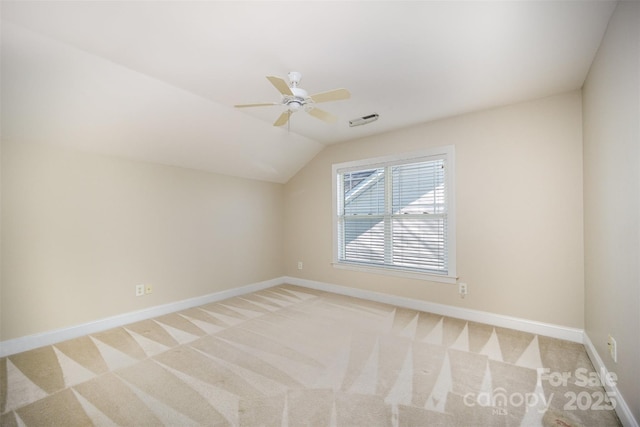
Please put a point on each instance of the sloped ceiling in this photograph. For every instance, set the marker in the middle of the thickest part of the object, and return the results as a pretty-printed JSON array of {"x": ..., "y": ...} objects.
[{"x": 157, "y": 80}]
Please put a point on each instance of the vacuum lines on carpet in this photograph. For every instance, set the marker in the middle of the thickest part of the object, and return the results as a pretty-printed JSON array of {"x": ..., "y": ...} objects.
[{"x": 291, "y": 356}]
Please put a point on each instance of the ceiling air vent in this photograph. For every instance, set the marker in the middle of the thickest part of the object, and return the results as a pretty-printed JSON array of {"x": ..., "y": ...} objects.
[{"x": 363, "y": 120}]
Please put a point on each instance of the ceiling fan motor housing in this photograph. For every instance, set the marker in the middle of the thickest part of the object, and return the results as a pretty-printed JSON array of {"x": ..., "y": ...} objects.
[{"x": 298, "y": 100}]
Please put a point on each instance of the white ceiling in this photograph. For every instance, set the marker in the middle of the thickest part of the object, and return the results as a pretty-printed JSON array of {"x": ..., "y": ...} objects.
[{"x": 157, "y": 80}]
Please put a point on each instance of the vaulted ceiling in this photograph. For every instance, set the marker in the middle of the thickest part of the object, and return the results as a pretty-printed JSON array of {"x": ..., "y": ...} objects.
[{"x": 157, "y": 80}]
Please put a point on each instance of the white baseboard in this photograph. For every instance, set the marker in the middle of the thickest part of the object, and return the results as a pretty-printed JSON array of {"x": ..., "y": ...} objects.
[
  {"x": 30, "y": 342},
  {"x": 622, "y": 409},
  {"x": 531, "y": 326}
]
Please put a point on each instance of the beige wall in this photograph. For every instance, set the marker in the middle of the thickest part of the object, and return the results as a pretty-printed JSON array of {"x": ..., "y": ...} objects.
[
  {"x": 519, "y": 211},
  {"x": 612, "y": 193},
  {"x": 81, "y": 230}
]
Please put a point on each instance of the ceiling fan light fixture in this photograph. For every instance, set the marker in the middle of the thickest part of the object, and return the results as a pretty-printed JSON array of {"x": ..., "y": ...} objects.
[{"x": 294, "y": 105}]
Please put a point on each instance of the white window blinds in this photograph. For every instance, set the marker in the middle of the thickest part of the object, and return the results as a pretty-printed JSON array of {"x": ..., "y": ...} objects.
[{"x": 395, "y": 215}]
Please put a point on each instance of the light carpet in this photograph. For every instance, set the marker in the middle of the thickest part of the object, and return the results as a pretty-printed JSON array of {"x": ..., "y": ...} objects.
[{"x": 291, "y": 356}]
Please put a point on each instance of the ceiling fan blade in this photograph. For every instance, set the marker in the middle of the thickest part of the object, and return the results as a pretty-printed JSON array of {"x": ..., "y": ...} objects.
[
  {"x": 283, "y": 119},
  {"x": 281, "y": 85},
  {"x": 332, "y": 95},
  {"x": 323, "y": 115},
  {"x": 264, "y": 104}
]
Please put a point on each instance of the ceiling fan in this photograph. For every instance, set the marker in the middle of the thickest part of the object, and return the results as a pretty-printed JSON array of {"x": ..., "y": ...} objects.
[{"x": 296, "y": 99}]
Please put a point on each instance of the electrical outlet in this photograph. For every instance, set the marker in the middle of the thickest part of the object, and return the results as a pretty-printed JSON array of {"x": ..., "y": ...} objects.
[
  {"x": 299, "y": 265},
  {"x": 148, "y": 289},
  {"x": 139, "y": 290},
  {"x": 462, "y": 289},
  {"x": 613, "y": 348}
]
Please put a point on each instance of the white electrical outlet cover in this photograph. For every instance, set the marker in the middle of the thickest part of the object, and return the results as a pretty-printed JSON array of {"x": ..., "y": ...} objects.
[{"x": 613, "y": 349}]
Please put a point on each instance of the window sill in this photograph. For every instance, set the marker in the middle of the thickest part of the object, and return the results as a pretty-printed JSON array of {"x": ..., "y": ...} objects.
[{"x": 395, "y": 272}]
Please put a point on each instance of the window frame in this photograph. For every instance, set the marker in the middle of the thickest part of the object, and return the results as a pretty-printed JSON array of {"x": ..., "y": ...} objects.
[{"x": 446, "y": 152}]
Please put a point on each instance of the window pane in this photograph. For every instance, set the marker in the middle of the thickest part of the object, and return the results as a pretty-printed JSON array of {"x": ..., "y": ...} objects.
[
  {"x": 418, "y": 188},
  {"x": 394, "y": 213},
  {"x": 364, "y": 192},
  {"x": 419, "y": 242},
  {"x": 363, "y": 239}
]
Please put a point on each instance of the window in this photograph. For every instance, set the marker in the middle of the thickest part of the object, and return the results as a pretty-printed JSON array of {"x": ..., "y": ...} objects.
[{"x": 396, "y": 215}]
